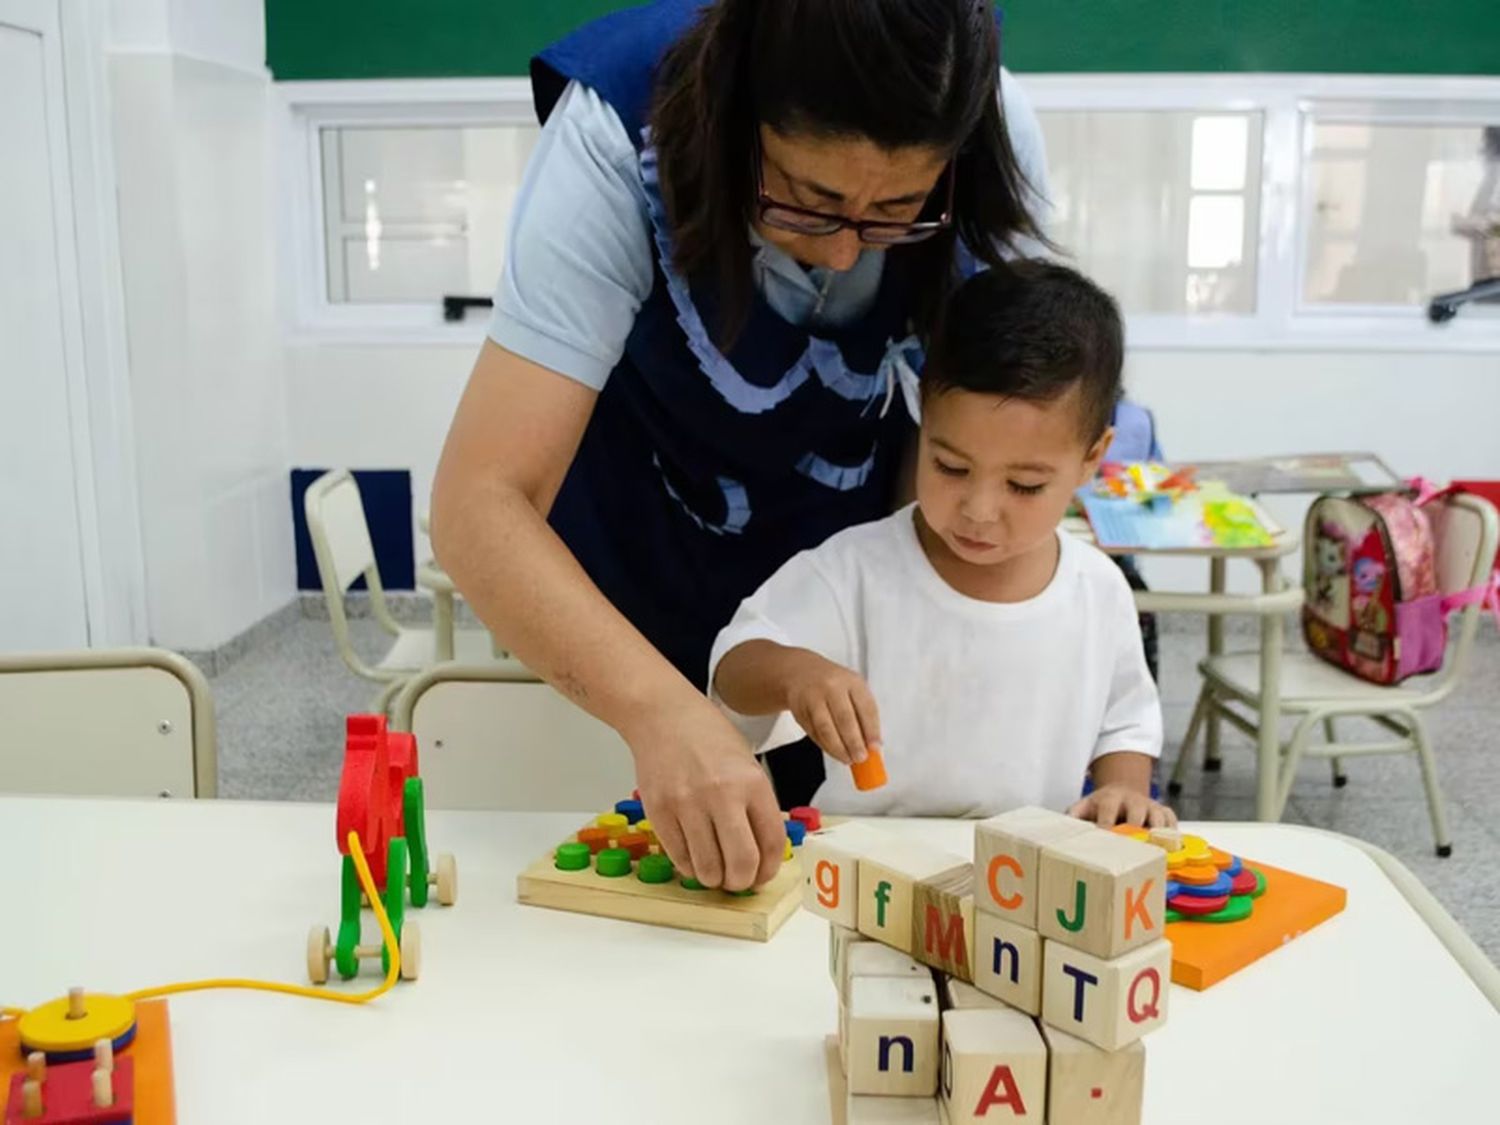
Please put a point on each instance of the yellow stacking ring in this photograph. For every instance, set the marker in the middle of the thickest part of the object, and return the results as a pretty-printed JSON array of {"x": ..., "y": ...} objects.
[{"x": 52, "y": 1030}]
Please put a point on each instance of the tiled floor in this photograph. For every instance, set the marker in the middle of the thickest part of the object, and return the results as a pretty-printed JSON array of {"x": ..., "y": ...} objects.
[{"x": 281, "y": 709}]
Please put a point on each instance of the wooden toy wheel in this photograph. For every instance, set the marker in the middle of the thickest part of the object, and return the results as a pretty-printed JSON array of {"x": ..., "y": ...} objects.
[
  {"x": 319, "y": 953},
  {"x": 411, "y": 951},
  {"x": 446, "y": 880}
]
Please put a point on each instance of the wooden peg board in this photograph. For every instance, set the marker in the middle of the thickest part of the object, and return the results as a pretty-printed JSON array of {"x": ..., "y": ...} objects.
[{"x": 753, "y": 917}]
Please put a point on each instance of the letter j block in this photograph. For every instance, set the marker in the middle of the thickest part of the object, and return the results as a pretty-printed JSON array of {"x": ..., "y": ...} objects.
[{"x": 1102, "y": 893}]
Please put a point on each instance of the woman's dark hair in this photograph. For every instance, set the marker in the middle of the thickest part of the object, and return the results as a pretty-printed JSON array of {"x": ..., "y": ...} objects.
[
  {"x": 897, "y": 72},
  {"x": 1031, "y": 330}
]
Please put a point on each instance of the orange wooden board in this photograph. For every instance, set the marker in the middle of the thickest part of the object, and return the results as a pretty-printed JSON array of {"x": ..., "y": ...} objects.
[
  {"x": 155, "y": 1100},
  {"x": 1204, "y": 953}
]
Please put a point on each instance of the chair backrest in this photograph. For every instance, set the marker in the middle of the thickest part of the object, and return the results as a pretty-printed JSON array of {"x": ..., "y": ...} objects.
[
  {"x": 119, "y": 723},
  {"x": 340, "y": 536},
  {"x": 493, "y": 736},
  {"x": 1465, "y": 529}
]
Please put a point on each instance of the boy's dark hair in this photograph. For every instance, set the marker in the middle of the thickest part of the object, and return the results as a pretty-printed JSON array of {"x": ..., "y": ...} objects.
[
  {"x": 897, "y": 72},
  {"x": 1031, "y": 330}
]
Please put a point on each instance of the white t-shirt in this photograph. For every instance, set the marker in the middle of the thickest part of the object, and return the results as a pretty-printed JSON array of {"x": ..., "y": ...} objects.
[{"x": 984, "y": 706}]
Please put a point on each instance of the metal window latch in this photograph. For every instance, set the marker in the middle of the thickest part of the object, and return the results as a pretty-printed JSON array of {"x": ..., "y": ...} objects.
[{"x": 454, "y": 308}]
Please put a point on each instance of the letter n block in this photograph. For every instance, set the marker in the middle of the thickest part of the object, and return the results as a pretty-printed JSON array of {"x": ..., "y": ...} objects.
[
  {"x": 942, "y": 922},
  {"x": 1102, "y": 893},
  {"x": 1008, "y": 962},
  {"x": 888, "y": 875},
  {"x": 1007, "y": 855},
  {"x": 1087, "y": 1086},
  {"x": 994, "y": 1068},
  {"x": 1109, "y": 1003},
  {"x": 893, "y": 1037}
]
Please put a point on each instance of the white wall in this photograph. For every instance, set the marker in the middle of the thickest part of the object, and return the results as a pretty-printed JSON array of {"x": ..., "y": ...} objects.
[
  {"x": 1426, "y": 413},
  {"x": 190, "y": 102}
]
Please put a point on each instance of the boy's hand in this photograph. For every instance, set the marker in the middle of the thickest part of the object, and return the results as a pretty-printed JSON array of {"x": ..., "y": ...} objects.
[
  {"x": 1120, "y": 804},
  {"x": 834, "y": 706}
]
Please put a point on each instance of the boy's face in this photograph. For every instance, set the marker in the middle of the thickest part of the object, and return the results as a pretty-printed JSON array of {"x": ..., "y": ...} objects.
[{"x": 995, "y": 475}]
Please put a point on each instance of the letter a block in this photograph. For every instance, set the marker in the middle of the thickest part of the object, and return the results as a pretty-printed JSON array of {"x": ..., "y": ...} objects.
[
  {"x": 994, "y": 1068},
  {"x": 1109, "y": 1003},
  {"x": 830, "y": 866},
  {"x": 1102, "y": 893},
  {"x": 1007, "y": 853},
  {"x": 1087, "y": 1086},
  {"x": 888, "y": 875},
  {"x": 893, "y": 1037},
  {"x": 942, "y": 922},
  {"x": 1008, "y": 962}
]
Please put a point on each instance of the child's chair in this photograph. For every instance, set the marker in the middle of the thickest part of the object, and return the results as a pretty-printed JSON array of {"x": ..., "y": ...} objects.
[
  {"x": 1465, "y": 530},
  {"x": 341, "y": 544}
]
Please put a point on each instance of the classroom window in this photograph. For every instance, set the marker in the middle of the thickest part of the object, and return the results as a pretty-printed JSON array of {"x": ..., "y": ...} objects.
[
  {"x": 1400, "y": 211},
  {"x": 1161, "y": 206},
  {"x": 414, "y": 213}
]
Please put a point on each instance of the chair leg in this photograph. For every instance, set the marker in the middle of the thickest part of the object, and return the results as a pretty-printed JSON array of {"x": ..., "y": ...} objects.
[
  {"x": 1430, "y": 782},
  {"x": 1291, "y": 759},
  {"x": 1174, "y": 784},
  {"x": 1330, "y": 733}
]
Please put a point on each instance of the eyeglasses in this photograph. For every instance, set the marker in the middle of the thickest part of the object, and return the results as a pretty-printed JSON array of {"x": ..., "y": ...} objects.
[{"x": 800, "y": 220}]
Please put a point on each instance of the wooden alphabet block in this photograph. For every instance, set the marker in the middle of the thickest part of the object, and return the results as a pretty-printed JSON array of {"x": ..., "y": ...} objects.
[
  {"x": 1008, "y": 962},
  {"x": 942, "y": 922},
  {"x": 1109, "y": 1003},
  {"x": 954, "y": 993},
  {"x": 861, "y": 1109},
  {"x": 1007, "y": 852},
  {"x": 994, "y": 1068},
  {"x": 1102, "y": 893},
  {"x": 874, "y": 959},
  {"x": 1088, "y": 1086},
  {"x": 888, "y": 875},
  {"x": 830, "y": 868},
  {"x": 893, "y": 1037},
  {"x": 840, "y": 938}
]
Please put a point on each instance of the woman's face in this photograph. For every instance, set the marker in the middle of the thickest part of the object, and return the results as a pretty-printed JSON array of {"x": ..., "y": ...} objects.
[{"x": 847, "y": 176}]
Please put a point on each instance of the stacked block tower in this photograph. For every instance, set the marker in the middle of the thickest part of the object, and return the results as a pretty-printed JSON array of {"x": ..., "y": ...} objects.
[{"x": 1013, "y": 986}]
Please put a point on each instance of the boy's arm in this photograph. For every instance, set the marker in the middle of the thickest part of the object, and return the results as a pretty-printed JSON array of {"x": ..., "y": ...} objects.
[{"x": 831, "y": 703}]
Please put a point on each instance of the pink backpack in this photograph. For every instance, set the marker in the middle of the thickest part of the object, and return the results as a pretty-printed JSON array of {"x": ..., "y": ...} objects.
[{"x": 1373, "y": 606}]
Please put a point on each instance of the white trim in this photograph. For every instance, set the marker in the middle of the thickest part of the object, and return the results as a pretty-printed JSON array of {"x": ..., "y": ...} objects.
[
  {"x": 260, "y": 73},
  {"x": 304, "y": 108},
  {"x": 122, "y": 619},
  {"x": 1287, "y": 104}
]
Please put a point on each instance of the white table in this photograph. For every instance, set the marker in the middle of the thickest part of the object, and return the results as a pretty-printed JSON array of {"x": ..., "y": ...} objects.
[{"x": 525, "y": 1015}]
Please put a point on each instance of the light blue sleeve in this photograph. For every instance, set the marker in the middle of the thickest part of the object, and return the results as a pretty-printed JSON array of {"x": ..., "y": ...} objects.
[
  {"x": 578, "y": 254},
  {"x": 1030, "y": 147}
]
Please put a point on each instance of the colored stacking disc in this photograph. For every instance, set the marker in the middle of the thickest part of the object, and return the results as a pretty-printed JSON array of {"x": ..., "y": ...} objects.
[
  {"x": 796, "y": 832},
  {"x": 1197, "y": 849},
  {"x": 809, "y": 816},
  {"x": 1222, "y": 860},
  {"x": 1260, "y": 884},
  {"x": 1197, "y": 874},
  {"x": 638, "y": 844},
  {"x": 1235, "y": 866},
  {"x": 1177, "y": 860},
  {"x": 692, "y": 884},
  {"x": 1238, "y": 909},
  {"x": 631, "y": 810},
  {"x": 1244, "y": 883},
  {"x": 746, "y": 893},
  {"x": 643, "y": 825},
  {"x": 62, "y": 1039},
  {"x": 1187, "y": 904},
  {"x": 595, "y": 839},
  {"x": 612, "y": 863},
  {"x": 1132, "y": 831},
  {"x": 612, "y": 822},
  {"x": 654, "y": 869},
  {"x": 573, "y": 857},
  {"x": 1173, "y": 889},
  {"x": 1223, "y": 885},
  {"x": 1173, "y": 916},
  {"x": 786, "y": 849}
]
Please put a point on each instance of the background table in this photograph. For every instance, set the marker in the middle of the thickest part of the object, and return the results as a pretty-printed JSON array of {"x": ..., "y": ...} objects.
[{"x": 528, "y": 1015}]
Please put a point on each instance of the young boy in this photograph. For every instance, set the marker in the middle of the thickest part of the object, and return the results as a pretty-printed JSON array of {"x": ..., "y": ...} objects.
[{"x": 994, "y": 659}]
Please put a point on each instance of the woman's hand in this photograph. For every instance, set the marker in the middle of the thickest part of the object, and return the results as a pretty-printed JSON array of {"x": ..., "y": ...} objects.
[
  {"x": 709, "y": 802},
  {"x": 833, "y": 706}
]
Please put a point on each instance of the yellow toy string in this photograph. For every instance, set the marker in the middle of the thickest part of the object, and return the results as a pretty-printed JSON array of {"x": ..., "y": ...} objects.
[{"x": 387, "y": 934}]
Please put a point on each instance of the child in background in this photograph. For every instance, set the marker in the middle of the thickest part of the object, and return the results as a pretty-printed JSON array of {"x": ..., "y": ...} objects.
[{"x": 992, "y": 658}]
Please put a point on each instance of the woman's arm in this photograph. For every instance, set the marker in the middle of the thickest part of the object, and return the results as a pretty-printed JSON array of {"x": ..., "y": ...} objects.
[{"x": 517, "y": 429}]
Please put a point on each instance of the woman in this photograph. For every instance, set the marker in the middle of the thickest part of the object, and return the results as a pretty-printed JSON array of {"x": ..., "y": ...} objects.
[{"x": 739, "y": 223}]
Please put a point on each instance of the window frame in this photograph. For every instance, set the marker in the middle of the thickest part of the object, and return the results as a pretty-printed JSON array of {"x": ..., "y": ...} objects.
[{"x": 307, "y": 108}]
